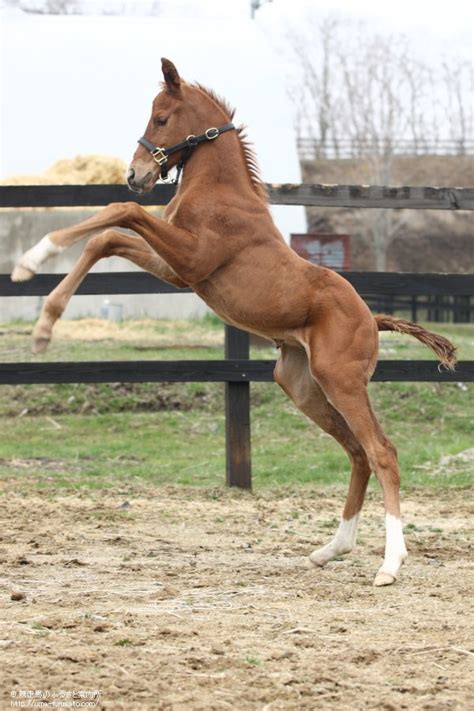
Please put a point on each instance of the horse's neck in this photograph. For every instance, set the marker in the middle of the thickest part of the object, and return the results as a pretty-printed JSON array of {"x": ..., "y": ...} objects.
[{"x": 217, "y": 165}]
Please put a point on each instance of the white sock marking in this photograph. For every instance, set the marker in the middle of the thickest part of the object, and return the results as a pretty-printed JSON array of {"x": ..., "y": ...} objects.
[
  {"x": 395, "y": 549},
  {"x": 34, "y": 257},
  {"x": 343, "y": 542}
]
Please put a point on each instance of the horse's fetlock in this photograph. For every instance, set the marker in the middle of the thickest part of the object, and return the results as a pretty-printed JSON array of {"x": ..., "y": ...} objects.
[
  {"x": 54, "y": 309},
  {"x": 54, "y": 236}
]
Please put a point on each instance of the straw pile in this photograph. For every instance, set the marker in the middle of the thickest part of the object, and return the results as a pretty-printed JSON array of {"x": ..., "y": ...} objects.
[{"x": 81, "y": 170}]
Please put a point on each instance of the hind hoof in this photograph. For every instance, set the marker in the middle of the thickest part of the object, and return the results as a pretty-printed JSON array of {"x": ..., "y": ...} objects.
[
  {"x": 318, "y": 560},
  {"x": 383, "y": 579}
]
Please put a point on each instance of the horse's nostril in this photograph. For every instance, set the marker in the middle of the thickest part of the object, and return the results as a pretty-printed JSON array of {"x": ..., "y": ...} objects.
[{"x": 137, "y": 182}]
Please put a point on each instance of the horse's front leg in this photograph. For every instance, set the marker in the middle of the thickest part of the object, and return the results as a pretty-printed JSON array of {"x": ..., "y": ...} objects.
[
  {"x": 167, "y": 240},
  {"x": 57, "y": 241},
  {"x": 192, "y": 258},
  {"x": 107, "y": 244}
]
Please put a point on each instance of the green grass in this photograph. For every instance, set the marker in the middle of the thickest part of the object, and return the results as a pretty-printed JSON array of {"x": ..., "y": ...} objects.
[{"x": 98, "y": 436}]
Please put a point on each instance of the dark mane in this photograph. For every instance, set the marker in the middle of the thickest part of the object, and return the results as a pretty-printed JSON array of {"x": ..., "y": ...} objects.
[{"x": 246, "y": 147}]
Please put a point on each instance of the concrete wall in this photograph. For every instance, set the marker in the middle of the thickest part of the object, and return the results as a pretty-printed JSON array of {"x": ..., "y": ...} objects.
[{"x": 21, "y": 229}]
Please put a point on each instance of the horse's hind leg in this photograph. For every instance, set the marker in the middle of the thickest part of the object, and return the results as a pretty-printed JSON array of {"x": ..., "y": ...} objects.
[
  {"x": 343, "y": 378},
  {"x": 292, "y": 373}
]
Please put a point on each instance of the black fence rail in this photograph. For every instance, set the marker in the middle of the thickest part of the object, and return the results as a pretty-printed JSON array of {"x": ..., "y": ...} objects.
[
  {"x": 437, "y": 308},
  {"x": 236, "y": 370},
  {"x": 312, "y": 195}
]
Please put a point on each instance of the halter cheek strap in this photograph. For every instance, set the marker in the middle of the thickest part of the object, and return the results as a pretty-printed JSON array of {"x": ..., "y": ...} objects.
[{"x": 160, "y": 155}]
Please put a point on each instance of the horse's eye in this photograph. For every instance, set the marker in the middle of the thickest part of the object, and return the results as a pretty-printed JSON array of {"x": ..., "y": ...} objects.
[{"x": 160, "y": 120}]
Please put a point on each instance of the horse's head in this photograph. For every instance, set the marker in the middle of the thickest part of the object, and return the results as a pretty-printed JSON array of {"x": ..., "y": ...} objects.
[{"x": 169, "y": 123}]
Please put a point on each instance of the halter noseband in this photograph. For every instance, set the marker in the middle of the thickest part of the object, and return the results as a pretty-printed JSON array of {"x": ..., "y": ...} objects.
[{"x": 160, "y": 155}]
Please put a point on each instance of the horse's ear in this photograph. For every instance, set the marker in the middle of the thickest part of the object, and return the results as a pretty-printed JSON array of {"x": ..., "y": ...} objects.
[{"x": 170, "y": 73}]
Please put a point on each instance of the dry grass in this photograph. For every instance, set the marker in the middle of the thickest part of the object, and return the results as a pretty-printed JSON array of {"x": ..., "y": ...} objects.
[
  {"x": 145, "y": 330},
  {"x": 80, "y": 170}
]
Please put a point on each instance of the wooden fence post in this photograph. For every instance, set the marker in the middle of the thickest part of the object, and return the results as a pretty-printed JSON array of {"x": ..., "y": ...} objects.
[{"x": 237, "y": 415}]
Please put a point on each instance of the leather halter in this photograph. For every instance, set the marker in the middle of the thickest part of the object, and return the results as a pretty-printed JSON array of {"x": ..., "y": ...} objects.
[{"x": 160, "y": 155}]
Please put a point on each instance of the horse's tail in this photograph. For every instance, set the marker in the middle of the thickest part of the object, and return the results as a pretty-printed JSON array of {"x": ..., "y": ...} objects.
[{"x": 443, "y": 348}]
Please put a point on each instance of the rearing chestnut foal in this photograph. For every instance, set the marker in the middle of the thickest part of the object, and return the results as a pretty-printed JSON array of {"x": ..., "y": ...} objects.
[{"x": 218, "y": 237}]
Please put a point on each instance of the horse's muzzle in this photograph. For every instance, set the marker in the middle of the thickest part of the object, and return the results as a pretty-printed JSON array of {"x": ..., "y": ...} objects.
[{"x": 137, "y": 185}]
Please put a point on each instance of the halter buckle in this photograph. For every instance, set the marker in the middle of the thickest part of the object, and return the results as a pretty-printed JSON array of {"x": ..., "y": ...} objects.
[
  {"x": 191, "y": 140},
  {"x": 168, "y": 179},
  {"x": 159, "y": 155},
  {"x": 210, "y": 136}
]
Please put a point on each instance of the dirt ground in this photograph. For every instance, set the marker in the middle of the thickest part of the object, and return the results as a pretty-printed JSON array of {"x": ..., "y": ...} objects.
[{"x": 179, "y": 598}]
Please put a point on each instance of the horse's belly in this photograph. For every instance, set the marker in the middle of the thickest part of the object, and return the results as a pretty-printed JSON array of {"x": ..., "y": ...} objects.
[{"x": 252, "y": 313}]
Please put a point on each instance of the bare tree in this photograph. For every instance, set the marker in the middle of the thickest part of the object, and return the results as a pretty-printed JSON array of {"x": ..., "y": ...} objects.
[
  {"x": 372, "y": 115},
  {"x": 51, "y": 7},
  {"x": 458, "y": 83},
  {"x": 316, "y": 94},
  {"x": 83, "y": 7},
  {"x": 367, "y": 96}
]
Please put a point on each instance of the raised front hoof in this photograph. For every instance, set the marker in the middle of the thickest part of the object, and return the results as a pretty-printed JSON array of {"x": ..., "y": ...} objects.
[
  {"x": 21, "y": 273},
  {"x": 382, "y": 579},
  {"x": 40, "y": 345}
]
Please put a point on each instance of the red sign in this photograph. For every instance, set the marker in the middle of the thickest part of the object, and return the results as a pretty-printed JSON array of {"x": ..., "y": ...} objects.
[{"x": 324, "y": 248}]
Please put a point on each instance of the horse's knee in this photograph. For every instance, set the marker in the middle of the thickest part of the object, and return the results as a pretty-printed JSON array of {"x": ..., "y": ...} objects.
[{"x": 127, "y": 212}]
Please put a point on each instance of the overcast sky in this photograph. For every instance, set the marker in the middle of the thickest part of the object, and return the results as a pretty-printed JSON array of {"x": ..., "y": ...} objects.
[{"x": 84, "y": 84}]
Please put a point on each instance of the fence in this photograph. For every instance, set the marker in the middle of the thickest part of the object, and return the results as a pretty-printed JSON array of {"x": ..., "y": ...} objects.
[
  {"x": 237, "y": 370},
  {"x": 421, "y": 307},
  {"x": 331, "y": 149}
]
